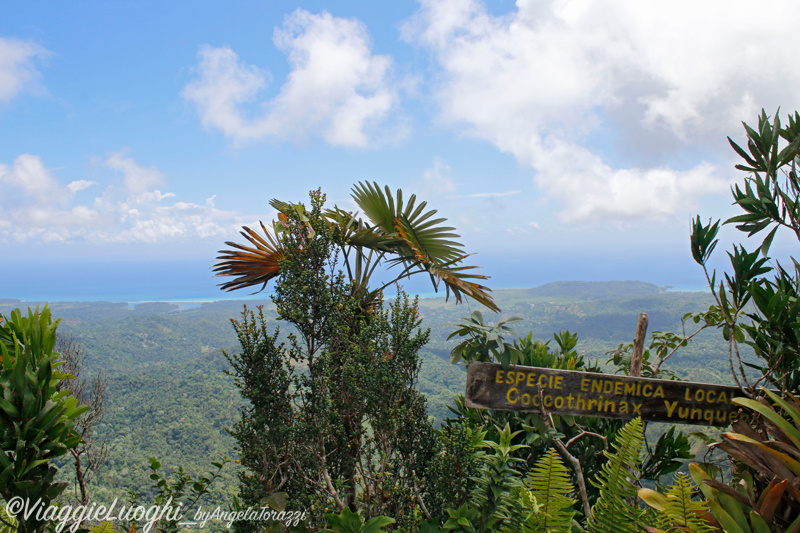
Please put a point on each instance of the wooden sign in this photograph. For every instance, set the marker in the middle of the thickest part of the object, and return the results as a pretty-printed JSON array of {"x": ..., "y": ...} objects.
[{"x": 566, "y": 392}]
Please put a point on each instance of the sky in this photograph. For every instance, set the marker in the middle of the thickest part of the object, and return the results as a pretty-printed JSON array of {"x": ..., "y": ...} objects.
[{"x": 564, "y": 139}]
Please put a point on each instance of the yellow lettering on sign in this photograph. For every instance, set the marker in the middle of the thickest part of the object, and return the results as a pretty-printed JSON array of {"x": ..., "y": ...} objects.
[
  {"x": 559, "y": 379},
  {"x": 623, "y": 407},
  {"x": 531, "y": 379},
  {"x": 630, "y": 389},
  {"x": 510, "y": 377},
  {"x": 700, "y": 395},
  {"x": 499, "y": 378},
  {"x": 520, "y": 377},
  {"x": 585, "y": 384},
  {"x": 659, "y": 393},
  {"x": 618, "y": 388},
  {"x": 516, "y": 393},
  {"x": 671, "y": 408},
  {"x": 597, "y": 386},
  {"x": 647, "y": 390}
]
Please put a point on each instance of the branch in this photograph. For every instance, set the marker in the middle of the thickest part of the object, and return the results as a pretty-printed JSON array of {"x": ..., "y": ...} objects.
[{"x": 582, "y": 433}]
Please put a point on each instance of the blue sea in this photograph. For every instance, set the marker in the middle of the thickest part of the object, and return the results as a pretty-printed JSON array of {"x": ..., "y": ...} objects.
[{"x": 193, "y": 280}]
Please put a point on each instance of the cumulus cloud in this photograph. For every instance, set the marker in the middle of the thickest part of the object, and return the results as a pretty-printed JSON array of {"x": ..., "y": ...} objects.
[
  {"x": 36, "y": 207},
  {"x": 337, "y": 87},
  {"x": 549, "y": 81},
  {"x": 17, "y": 69},
  {"x": 437, "y": 179}
]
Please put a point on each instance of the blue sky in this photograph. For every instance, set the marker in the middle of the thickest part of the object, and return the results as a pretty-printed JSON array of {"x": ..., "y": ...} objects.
[{"x": 568, "y": 139}]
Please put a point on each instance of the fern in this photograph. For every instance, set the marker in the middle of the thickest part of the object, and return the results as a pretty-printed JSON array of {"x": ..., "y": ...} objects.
[
  {"x": 8, "y": 524},
  {"x": 616, "y": 510},
  {"x": 549, "y": 484},
  {"x": 104, "y": 527},
  {"x": 677, "y": 512},
  {"x": 680, "y": 510}
]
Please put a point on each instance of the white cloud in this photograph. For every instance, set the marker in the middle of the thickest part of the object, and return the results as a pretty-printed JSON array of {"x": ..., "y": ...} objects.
[
  {"x": 488, "y": 194},
  {"x": 79, "y": 185},
  {"x": 437, "y": 179},
  {"x": 17, "y": 70},
  {"x": 35, "y": 207},
  {"x": 549, "y": 81},
  {"x": 336, "y": 86},
  {"x": 138, "y": 180},
  {"x": 29, "y": 176}
]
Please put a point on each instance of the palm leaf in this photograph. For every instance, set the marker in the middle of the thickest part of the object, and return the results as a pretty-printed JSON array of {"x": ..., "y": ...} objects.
[
  {"x": 250, "y": 265},
  {"x": 454, "y": 277},
  {"x": 416, "y": 239},
  {"x": 420, "y": 242}
]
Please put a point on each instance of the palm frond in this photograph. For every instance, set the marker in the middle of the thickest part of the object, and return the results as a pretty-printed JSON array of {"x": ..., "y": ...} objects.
[
  {"x": 250, "y": 265},
  {"x": 443, "y": 269}
]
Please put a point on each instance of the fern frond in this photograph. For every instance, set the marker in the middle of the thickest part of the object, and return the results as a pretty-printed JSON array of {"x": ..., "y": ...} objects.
[
  {"x": 680, "y": 511},
  {"x": 105, "y": 526},
  {"x": 549, "y": 484},
  {"x": 616, "y": 510},
  {"x": 8, "y": 524}
]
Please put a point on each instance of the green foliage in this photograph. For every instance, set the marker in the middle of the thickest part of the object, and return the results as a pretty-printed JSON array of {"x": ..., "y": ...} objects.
[
  {"x": 485, "y": 341},
  {"x": 669, "y": 454},
  {"x": 496, "y": 482},
  {"x": 335, "y": 419},
  {"x": 8, "y": 524},
  {"x": 183, "y": 489},
  {"x": 105, "y": 526},
  {"x": 35, "y": 419},
  {"x": 741, "y": 509},
  {"x": 677, "y": 511},
  {"x": 454, "y": 466},
  {"x": 615, "y": 509},
  {"x": 349, "y": 522},
  {"x": 463, "y": 520},
  {"x": 549, "y": 483},
  {"x": 769, "y": 200},
  {"x": 264, "y": 378}
]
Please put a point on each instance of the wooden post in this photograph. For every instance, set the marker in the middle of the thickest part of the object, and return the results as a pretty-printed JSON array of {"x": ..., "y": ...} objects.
[{"x": 638, "y": 345}]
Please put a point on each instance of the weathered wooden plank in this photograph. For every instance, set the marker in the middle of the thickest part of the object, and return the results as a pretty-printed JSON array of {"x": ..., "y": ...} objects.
[{"x": 568, "y": 392}]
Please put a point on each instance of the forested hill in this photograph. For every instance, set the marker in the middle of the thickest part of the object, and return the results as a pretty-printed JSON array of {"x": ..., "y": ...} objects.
[{"x": 169, "y": 397}]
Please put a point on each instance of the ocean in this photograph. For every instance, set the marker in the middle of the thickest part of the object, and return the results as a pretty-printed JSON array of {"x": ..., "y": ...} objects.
[{"x": 193, "y": 280}]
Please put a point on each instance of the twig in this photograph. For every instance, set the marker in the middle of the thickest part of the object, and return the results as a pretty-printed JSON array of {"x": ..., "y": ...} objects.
[{"x": 582, "y": 433}]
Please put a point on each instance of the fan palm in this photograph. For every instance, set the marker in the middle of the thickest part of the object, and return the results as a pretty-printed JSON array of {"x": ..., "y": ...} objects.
[{"x": 393, "y": 232}]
